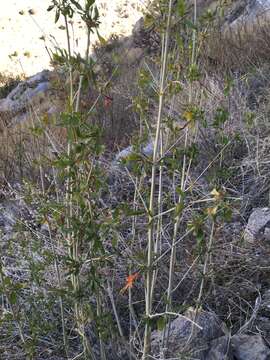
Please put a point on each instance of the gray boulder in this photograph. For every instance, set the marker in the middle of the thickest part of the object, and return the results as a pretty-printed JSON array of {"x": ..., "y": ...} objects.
[
  {"x": 247, "y": 9},
  {"x": 146, "y": 151},
  {"x": 27, "y": 93},
  {"x": 220, "y": 349},
  {"x": 185, "y": 339},
  {"x": 239, "y": 347},
  {"x": 258, "y": 227},
  {"x": 248, "y": 14},
  {"x": 250, "y": 347},
  {"x": 261, "y": 323}
]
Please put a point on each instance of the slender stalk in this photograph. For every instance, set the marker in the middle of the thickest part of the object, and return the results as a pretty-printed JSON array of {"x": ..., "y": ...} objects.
[
  {"x": 101, "y": 343},
  {"x": 205, "y": 267},
  {"x": 57, "y": 270},
  {"x": 81, "y": 76},
  {"x": 71, "y": 238},
  {"x": 110, "y": 293},
  {"x": 206, "y": 260},
  {"x": 130, "y": 305},
  {"x": 157, "y": 245},
  {"x": 166, "y": 332},
  {"x": 68, "y": 185},
  {"x": 194, "y": 33},
  {"x": 149, "y": 272},
  {"x": 69, "y": 64}
]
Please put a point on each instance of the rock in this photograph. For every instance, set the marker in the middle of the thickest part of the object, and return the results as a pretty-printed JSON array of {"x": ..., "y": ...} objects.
[
  {"x": 239, "y": 347},
  {"x": 180, "y": 340},
  {"x": 220, "y": 349},
  {"x": 248, "y": 13},
  {"x": 244, "y": 18},
  {"x": 145, "y": 37},
  {"x": 258, "y": 227},
  {"x": 138, "y": 27},
  {"x": 147, "y": 150},
  {"x": 262, "y": 320},
  {"x": 26, "y": 94},
  {"x": 265, "y": 304},
  {"x": 262, "y": 324},
  {"x": 134, "y": 55},
  {"x": 250, "y": 347}
]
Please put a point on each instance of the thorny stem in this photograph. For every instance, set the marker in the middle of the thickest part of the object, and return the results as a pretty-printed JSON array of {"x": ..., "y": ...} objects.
[
  {"x": 71, "y": 239},
  {"x": 166, "y": 332},
  {"x": 110, "y": 293},
  {"x": 157, "y": 245},
  {"x": 205, "y": 266},
  {"x": 149, "y": 272},
  {"x": 81, "y": 76},
  {"x": 69, "y": 63},
  {"x": 173, "y": 247},
  {"x": 208, "y": 253}
]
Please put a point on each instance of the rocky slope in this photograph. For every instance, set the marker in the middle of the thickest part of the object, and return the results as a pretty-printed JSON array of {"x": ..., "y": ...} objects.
[{"x": 233, "y": 321}]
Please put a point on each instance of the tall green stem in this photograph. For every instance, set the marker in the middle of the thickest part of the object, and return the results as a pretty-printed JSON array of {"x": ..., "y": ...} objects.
[{"x": 149, "y": 272}]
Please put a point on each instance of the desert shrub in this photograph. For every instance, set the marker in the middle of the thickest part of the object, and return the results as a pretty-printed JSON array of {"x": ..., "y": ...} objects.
[{"x": 116, "y": 250}]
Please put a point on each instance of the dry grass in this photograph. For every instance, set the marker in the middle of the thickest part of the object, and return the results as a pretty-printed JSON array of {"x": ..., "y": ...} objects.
[
  {"x": 7, "y": 83},
  {"x": 237, "y": 49},
  {"x": 116, "y": 117}
]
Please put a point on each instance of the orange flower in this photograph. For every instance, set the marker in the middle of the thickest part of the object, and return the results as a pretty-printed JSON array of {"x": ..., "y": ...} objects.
[{"x": 129, "y": 282}]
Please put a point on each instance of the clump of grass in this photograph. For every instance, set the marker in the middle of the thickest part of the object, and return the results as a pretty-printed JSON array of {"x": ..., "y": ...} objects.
[
  {"x": 237, "y": 49},
  {"x": 7, "y": 84}
]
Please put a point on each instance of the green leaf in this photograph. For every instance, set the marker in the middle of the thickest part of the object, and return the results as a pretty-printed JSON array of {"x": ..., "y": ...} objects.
[
  {"x": 7, "y": 281},
  {"x": 228, "y": 86},
  {"x": 103, "y": 42},
  {"x": 96, "y": 13},
  {"x": 13, "y": 298},
  {"x": 190, "y": 25},
  {"x": 78, "y": 6},
  {"x": 221, "y": 117},
  {"x": 88, "y": 5},
  {"x": 181, "y": 7},
  {"x": 57, "y": 16},
  {"x": 194, "y": 73},
  {"x": 179, "y": 208},
  {"x": 50, "y": 8},
  {"x": 149, "y": 21},
  {"x": 161, "y": 323}
]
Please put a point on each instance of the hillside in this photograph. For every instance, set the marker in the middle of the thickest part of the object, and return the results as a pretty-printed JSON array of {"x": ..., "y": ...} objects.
[{"x": 134, "y": 184}]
